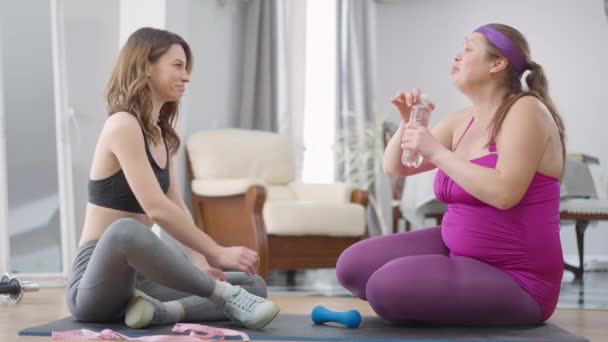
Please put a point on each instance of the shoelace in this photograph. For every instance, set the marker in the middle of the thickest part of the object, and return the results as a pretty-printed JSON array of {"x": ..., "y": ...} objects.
[
  {"x": 198, "y": 332},
  {"x": 244, "y": 300}
]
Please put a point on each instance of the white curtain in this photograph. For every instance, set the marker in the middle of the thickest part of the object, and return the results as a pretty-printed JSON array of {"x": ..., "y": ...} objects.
[
  {"x": 359, "y": 155},
  {"x": 272, "y": 88},
  {"x": 291, "y": 19}
]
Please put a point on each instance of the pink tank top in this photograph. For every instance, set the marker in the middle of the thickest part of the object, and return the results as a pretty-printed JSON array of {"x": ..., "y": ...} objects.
[{"x": 523, "y": 241}]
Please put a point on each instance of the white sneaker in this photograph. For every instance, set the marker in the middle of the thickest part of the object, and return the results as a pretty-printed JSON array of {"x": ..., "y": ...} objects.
[
  {"x": 249, "y": 310},
  {"x": 140, "y": 311}
]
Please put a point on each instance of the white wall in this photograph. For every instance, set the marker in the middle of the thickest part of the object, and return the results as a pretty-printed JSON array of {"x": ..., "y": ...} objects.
[
  {"x": 91, "y": 38},
  {"x": 417, "y": 40},
  {"x": 135, "y": 14}
]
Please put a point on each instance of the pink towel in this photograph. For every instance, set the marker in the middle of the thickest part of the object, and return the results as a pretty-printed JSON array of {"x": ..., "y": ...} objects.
[{"x": 197, "y": 333}]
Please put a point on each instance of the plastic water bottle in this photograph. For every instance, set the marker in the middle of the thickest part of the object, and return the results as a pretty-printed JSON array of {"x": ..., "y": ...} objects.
[{"x": 420, "y": 115}]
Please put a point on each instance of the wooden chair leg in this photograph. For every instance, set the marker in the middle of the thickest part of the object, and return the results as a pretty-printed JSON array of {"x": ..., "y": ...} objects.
[
  {"x": 263, "y": 272},
  {"x": 396, "y": 217},
  {"x": 291, "y": 278},
  {"x": 439, "y": 219}
]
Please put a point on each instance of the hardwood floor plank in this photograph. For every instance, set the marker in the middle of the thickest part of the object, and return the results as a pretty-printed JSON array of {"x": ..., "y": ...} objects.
[{"x": 48, "y": 304}]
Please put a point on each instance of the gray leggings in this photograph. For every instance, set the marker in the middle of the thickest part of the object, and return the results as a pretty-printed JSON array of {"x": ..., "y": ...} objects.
[{"x": 129, "y": 255}]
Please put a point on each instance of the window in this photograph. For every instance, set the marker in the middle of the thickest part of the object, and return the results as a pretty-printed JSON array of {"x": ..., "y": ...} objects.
[{"x": 320, "y": 96}]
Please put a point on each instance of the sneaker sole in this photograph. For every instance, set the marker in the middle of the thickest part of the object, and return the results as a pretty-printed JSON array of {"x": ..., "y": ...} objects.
[
  {"x": 139, "y": 313},
  {"x": 265, "y": 320}
]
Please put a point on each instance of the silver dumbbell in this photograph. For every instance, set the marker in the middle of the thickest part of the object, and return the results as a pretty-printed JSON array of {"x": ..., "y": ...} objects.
[
  {"x": 14, "y": 289},
  {"x": 4, "y": 280},
  {"x": 5, "y": 277}
]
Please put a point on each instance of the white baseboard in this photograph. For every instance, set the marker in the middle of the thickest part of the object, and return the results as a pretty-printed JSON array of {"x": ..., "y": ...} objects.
[{"x": 591, "y": 262}]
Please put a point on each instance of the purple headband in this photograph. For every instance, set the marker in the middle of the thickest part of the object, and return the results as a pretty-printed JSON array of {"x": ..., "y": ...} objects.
[{"x": 506, "y": 47}]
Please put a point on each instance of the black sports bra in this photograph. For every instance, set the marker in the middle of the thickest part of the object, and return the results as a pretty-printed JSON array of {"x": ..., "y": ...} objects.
[{"x": 114, "y": 192}]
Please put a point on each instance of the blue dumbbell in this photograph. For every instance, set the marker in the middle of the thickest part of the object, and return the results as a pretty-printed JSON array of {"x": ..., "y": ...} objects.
[{"x": 350, "y": 318}]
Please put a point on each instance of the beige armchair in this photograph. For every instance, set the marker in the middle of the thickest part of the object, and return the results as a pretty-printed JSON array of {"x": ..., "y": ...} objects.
[{"x": 244, "y": 193}]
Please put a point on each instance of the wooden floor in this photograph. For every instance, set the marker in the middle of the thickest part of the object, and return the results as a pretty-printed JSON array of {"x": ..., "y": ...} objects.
[{"x": 48, "y": 304}]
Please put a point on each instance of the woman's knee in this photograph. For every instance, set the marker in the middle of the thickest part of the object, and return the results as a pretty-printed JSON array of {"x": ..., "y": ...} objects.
[
  {"x": 383, "y": 301},
  {"x": 348, "y": 270},
  {"x": 251, "y": 283},
  {"x": 128, "y": 231},
  {"x": 257, "y": 285},
  {"x": 379, "y": 297},
  {"x": 394, "y": 290}
]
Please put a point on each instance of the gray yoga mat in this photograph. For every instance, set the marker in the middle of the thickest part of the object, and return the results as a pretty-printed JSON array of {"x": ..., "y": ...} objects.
[{"x": 301, "y": 328}]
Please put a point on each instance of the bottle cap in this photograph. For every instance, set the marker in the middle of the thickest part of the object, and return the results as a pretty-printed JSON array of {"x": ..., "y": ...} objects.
[{"x": 424, "y": 100}]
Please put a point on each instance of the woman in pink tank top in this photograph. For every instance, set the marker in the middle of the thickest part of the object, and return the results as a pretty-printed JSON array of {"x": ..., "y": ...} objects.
[{"x": 496, "y": 259}]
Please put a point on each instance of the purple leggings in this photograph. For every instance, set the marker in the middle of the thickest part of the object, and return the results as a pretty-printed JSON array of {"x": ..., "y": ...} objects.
[{"x": 410, "y": 277}]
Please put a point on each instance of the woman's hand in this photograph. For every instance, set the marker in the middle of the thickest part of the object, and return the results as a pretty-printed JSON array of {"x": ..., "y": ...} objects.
[
  {"x": 419, "y": 138},
  {"x": 404, "y": 102},
  {"x": 215, "y": 273},
  {"x": 236, "y": 258},
  {"x": 201, "y": 263}
]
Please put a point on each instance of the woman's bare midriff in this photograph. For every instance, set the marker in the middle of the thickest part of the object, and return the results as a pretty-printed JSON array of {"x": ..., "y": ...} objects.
[{"x": 98, "y": 219}]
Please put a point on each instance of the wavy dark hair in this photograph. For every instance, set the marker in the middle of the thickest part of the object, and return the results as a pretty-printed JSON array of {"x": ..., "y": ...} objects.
[{"x": 128, "y": 89}]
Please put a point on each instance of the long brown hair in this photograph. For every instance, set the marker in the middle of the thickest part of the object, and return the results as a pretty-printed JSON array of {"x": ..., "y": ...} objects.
[
  {"x": 128, "y": 89},
  {"x": 536, "y": 81}
]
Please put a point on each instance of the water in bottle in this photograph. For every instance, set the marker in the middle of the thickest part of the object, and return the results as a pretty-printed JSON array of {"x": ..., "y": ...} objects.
[{"x": 420, "y": 115}]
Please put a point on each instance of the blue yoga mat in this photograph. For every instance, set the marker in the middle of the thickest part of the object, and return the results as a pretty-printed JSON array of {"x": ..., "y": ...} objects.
[{"x": 301, "y": 328}]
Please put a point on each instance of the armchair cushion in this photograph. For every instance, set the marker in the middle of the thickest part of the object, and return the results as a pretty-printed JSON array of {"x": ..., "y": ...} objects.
[
  {"x": 279, "y": 193},
  {"x": 240, "y": 153},
  {"x": 223, "y": 186},
  {"x": 301, "y": 218},
  {"x": 322, "y": 193}
]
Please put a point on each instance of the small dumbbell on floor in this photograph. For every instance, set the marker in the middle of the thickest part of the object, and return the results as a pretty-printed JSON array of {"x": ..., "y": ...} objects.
[
  {"x": 350, "y": 318},
  {"x": 12, "y": 288}
]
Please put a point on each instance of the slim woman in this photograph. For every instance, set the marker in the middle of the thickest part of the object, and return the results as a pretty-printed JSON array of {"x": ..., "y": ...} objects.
[{"x": 122, "y": 269}]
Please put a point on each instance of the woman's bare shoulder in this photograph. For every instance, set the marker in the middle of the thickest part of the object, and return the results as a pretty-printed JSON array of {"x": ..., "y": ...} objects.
[
  {"x": 462, "y": 113},
  {"x": 121, "y": 125},
  {"x": 453, "y": 118}
]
